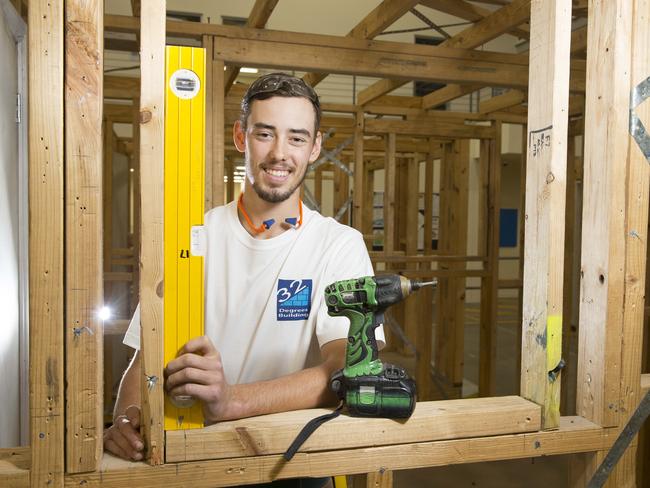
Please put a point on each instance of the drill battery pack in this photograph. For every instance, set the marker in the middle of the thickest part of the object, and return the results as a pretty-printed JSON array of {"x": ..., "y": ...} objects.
[{"x": 390, "y": 394}]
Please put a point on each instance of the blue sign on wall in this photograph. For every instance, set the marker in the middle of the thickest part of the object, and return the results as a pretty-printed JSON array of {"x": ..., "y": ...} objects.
[{"x": 508, "y": 227}]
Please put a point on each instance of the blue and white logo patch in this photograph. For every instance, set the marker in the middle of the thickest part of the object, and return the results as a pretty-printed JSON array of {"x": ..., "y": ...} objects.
[{"x": 294, "y": 299}]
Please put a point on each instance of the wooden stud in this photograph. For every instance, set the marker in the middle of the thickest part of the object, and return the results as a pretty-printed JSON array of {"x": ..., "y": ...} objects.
[
  {"x": 389, "y": 194},
  {"x": 548, "y": 101},
  {"x": 357, "y": 194},
  {"x": 230, "y": 187},
  {"x": 452, "y": 240},
  {"x": 425, "y": 296},
  {"x": 369, "y": 203},
  {"x": 399, "y": 238},
  {"x": 46, "y": 276},
  {"x": 341, "y": 190},
  {"x": 522, "y": 241},
  {"x": 428, "y": 196},
  {"x": 318, "y": 187},
  {"x": 458, "y": 223},
  {"x": 380, "y": 479},
  {"x": 137, "y": 211},
  {"x": 390, "y": 186},
  {"x": 218, "y": 133},
  {"x": 412, "y": 315},
  {"x": 83, "y": 201},
  {"x": 582, "y": 466},
  {"x": 567, "y": 403},
  {"x": 107, "y": 193},
  {"x": 603, "y": 222},
  {"x": 490, "y": 151},
  {"x": 636, "y": 250},
  {"x": 152, "y": 138},
  {"x": 443, "y": 340}
]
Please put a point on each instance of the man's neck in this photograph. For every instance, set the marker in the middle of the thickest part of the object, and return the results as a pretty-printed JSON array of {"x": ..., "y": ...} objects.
[{"x": 259, "y": 211}]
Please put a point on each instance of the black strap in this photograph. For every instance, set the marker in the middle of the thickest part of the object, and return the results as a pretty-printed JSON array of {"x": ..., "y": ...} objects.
[{"x": 308, "y": 430}]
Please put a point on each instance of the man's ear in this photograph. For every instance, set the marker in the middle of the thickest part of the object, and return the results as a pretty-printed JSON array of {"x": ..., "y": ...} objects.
[
  {"x": 239, "y": 136},
  {"x": 315, "y": 151}
]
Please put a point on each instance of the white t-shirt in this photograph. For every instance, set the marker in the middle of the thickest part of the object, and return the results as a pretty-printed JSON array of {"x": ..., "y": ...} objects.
[{"x": 264, "y": 299}]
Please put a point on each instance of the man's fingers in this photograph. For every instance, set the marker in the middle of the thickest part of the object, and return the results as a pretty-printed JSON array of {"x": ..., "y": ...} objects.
[
  {"x": 133, "y": 414},
  {"x": 204, "y": 393},
  {"x": 190, "y": 375},
  {"x": 127, "y": 430},
  {"x": 199, "y": 345},
  {"x": 116, "y": 437},
  {"x": 111, "y": 446},
  {"x": 191, "y": 360}
]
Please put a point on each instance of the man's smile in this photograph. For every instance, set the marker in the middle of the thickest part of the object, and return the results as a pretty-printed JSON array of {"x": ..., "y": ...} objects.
[{"x": 277, "y": 172}]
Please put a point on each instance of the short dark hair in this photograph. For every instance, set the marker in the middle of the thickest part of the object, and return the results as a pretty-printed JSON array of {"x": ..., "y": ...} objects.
[{"x": 278, "y": 85}]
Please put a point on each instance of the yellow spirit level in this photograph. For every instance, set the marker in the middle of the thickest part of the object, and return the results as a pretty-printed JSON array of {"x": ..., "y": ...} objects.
[{"x": 184, "y": 209}]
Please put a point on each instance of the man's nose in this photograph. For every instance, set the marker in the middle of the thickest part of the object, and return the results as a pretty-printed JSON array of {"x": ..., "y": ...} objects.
[{"x": 278, "y": 150}]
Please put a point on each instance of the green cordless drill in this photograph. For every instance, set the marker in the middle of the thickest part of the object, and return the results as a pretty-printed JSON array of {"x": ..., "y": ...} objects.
[{"x": 369, "y": 387}]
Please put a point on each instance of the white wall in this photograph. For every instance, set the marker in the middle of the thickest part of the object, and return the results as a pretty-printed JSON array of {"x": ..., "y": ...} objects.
[{"x": 9, "y": 277}]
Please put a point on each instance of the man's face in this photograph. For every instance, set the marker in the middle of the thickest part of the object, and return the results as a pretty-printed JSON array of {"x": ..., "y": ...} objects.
[{"x": 279, "y": 143}]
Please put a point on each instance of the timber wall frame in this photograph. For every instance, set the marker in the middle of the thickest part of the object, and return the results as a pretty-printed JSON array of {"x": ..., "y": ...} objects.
[{"x": 65, "y": 262}]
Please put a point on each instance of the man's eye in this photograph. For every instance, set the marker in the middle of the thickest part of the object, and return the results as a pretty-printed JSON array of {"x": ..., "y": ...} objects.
[
  {"x": 263, "y": 135},
  {"x": 298, "y": 140}
]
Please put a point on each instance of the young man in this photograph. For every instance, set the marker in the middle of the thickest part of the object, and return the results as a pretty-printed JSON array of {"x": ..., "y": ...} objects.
[{"x": 269, "y": 345}]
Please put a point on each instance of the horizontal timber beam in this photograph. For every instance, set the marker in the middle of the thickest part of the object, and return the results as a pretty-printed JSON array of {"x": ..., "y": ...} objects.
[
  {"x": 574, "y": 435},
  {"x": 431, "y": 128},
  {"x": 345, "y": 55},
  {"x": 121, "y": 87},
  {"x": 367, "y": 62},
  {"x": 272, "y": 434},
  {"x": 119, "y": 112}
]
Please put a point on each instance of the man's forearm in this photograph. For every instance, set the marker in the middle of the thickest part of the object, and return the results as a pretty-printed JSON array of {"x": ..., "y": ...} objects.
[
  {"x": 308, "y": 388},
  {"x": 129, "y": 391}
]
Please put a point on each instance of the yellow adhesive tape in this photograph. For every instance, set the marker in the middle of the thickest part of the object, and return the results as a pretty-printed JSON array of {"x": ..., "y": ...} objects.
[{"x": 553, "y": 340}]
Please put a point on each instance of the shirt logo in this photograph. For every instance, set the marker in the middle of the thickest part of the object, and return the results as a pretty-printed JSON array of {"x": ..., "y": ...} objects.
[{"x": 294, "y": 299}]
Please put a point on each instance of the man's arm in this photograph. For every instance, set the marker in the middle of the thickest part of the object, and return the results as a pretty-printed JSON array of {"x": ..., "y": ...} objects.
[
  {"x": 123, "y": 437},
  {"x": 198, "y": 372},
  {"x": 129, "y": 391}
]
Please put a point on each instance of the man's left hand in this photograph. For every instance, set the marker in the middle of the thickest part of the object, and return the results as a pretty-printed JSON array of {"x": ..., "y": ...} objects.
[{"x": 198, "y": 372}]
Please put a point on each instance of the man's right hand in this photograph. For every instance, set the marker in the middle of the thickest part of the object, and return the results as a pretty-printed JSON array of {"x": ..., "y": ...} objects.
[{"x": 123, "y": 437}]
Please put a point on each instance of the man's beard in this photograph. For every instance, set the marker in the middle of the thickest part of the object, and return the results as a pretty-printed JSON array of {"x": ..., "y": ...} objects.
[{"x": 276, "y": 195}]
